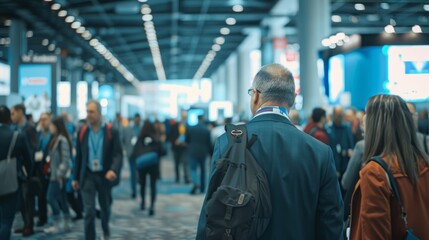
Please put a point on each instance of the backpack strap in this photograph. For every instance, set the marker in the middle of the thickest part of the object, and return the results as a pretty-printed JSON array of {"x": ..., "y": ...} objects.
[
  {"x": 312, "y": 131},
  {"x": 393, "y": 185},
  {"x": 425, "y": 143},
  {"x": 109, "y": 130},
  {"x": 85, "y": 128},
  {"x": 83, "y": 132},
  {"x": 237, "y": 135},
  {"x": 12, "y": 144}
]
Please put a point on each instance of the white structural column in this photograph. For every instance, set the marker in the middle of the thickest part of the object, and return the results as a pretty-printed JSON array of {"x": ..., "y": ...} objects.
[
  {"x": 219, "y": 82},
  {"x": 244, "y": 80},
  {"x": 232, "y": 79},
  {"x": 313, "y": 26}
]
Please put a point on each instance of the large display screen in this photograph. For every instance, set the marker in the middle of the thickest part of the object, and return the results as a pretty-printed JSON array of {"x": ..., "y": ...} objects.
[
  {"x": 400, "y": 70},
  {"x": 35, "y": 85},
  {"x": 4, "y": 79},
  {"x": 408, "y": 71}
]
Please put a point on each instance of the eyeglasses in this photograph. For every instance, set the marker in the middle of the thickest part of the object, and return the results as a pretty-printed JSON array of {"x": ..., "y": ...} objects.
[{"x": 250, "y": 91}]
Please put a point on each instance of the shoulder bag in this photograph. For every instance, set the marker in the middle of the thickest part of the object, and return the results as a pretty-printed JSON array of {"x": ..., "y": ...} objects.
[{"x": 8, "y": 170}]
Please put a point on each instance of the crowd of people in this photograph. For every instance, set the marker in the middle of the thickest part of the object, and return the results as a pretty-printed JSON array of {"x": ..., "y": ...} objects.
[{"x": 323, "y": 179}]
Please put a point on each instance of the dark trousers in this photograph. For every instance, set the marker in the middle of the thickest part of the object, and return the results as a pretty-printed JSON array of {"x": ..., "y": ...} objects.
[
  {"x": 194, "y": 162},
  {"x": 27, "y": 203},
  {"x": 181, "y": 158},
  {"x": 152, "y": 172},
  {"x": 8, "y": 207},
  {"x": 95, "y": 183},
  {"x": 75, "y": 200},
  {"x": 42, "y": 203},
  {"x": 133, "y": 173}
]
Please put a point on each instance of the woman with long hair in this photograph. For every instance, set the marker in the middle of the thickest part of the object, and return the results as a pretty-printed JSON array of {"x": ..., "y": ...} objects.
[
  {"x": 60, "y": 159},
  {"x": 146, "y": 153},
  {"x": 376, "y": 212}
]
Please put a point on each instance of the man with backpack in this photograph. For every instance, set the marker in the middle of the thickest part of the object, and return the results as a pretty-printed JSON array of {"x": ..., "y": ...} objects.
[
  {"x": 97, "y": 167},
  {"x": 298, "y": 171},
  {"x": 316, "y": 128}
]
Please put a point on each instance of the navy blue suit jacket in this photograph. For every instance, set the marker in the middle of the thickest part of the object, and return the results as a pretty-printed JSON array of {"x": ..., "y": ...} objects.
[
  {"x": 112, "y": 155},
  {"x": 305, "y": 193},
  {"x": 198, "y": 140}
]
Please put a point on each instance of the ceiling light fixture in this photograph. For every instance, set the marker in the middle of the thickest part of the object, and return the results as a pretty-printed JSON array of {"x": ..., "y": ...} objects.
[
  {"x": 51, "y": 47},
  {"x": 216, "y": 47},
  {"x": 56, "y": 6},
  {"x": 146, "y": 9},
  {"x": 45, "y": 42},
  {"x": 69, "y": 19},
  {"x": 389, "y": 29},
  {"x": 384, "y": 6},
  {"x": 359, "y": 7},
  {"x": 81, "y": 29},
  {"x": 426, "y": 7},
  {"x": 336, "y": 18},
  {"x": 230, "y": 21},
  {"x": 224, "y": 31},
  {"x": 326, "y": 42},
  {"x": 75, "y": 25},
  {"x": 147, "y": 18},
  {"x": 62, "y": 13},
  {"x": 142, "y": 1},
  {"x": 29, "y": 34},
  {"x": 416, "y": 29},
  {"x": 220, "y": 40},
  {"x": 237, "y": 8}
]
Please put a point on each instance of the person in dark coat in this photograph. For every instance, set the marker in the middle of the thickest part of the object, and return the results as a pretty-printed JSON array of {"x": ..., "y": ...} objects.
[
  {"x": 199, "y": 146},
  {"x": 148, "y": 142},
  {"x": 28, "y": 188},
  {"x": 305, "y": 193},
  {"x": 9, "y": 202}
]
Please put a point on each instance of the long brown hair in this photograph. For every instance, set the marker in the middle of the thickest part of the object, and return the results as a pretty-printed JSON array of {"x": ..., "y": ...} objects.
[
  {"x": 390, "y": 131},
  {"x": 59, "y": 124}
]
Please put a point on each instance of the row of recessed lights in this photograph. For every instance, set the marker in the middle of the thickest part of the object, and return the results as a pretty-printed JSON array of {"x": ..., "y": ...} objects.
[
  {"x": 390, "y": 28},
  {"x": 152, "y": 39},
  {"x": 95, "y": 43},
  {"x": 217, "y": 44},
  {"x": 335, "y": 40},
  {"x": 384, "y": 6}
]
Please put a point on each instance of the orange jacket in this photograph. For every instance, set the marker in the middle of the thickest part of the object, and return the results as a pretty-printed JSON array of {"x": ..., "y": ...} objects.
[{"x": 375, "y": 212}]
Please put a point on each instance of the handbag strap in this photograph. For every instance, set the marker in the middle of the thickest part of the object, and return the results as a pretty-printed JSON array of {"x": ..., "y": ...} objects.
[
  {"x": 12, "y": 144},
  {"x": 393, "y": 185}
]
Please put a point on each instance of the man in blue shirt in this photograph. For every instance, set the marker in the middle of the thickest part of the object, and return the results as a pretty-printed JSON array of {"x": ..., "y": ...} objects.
[{"x": 97, "y": 166}]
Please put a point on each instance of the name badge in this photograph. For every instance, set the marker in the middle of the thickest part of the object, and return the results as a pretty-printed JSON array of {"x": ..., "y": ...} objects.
[
  {"x": 95, "y": 165},
  {"x": 133, "y": 141},
  {"x": 38, "y": 156}
]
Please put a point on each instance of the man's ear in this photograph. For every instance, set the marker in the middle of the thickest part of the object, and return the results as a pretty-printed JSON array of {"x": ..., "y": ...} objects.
[{"x": 256, "y": 98}]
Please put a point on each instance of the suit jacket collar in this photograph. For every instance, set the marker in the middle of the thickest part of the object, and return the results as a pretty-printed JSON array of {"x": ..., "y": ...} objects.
[{"x": 270, "y": 117}]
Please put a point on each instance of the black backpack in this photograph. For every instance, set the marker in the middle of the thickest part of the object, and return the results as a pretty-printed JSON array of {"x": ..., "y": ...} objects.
[{"x": 238, "y": 198}]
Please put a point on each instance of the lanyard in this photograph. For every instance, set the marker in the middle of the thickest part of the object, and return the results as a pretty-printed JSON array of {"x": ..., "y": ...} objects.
[
  {"x": 95, "y": 144},
  {"x": 272, "y": 109}
]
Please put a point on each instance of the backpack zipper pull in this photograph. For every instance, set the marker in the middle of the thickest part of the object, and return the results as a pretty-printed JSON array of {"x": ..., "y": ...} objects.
[{"x": 228, "y": 234}]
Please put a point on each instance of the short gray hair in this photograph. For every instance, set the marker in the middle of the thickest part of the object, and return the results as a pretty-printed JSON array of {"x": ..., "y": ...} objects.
[
  {"x": 97, "y": 104},
  {"x": 276, "y": 84}
]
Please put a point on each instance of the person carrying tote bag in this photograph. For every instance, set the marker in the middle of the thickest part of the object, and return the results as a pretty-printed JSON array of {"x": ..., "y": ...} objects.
[
  {"x": 15, "y": 163},
  {"x": 380, "y": 202}
]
